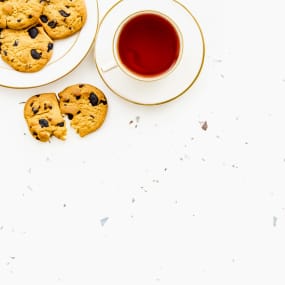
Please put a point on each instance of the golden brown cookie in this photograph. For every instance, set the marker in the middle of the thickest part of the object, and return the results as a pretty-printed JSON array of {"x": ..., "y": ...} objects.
[
  {"x": 26, "y": 50},
  {"x": 44, "y": 118},
  {"x": 85, "y": 105},
  {"x": 19, "y": 14},
  {"x": 63, "y": 18}
]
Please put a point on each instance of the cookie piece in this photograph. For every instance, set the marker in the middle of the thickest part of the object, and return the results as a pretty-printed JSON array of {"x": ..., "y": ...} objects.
[
  {"x": 85, "y": 105},
  {"x": 26, "y": 50},
  {"x": 19, "y": 14},
  {"x": 61, "y": 19},
  {"x": 44, "y": 118}
]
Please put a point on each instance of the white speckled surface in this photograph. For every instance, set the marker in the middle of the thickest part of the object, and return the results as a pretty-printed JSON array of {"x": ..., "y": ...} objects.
[{"x": 157, "y": 196}]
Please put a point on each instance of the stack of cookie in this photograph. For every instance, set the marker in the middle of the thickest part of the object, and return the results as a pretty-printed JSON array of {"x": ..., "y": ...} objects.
[{"x": 28, "y": 29}]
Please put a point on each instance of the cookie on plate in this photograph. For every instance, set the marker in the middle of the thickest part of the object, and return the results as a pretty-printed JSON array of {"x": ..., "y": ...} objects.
[
  {"x": 26, "y": 50},
  {"x": 19, "y": 14},
  {"x": 44, "y": 118},
  {"x": 85, "y": 105},
  {"x": 63, "y": 18}
]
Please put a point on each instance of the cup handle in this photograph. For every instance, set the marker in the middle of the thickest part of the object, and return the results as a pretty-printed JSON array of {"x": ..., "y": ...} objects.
[{"x": 109, "y": 66}]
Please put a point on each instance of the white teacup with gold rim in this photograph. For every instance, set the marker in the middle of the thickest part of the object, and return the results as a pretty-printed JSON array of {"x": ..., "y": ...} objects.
[{"x": 147, "y": 46}]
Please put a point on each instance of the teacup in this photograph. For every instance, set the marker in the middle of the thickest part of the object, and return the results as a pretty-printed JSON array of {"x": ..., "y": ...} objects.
[{"x": 147, "y": 46}]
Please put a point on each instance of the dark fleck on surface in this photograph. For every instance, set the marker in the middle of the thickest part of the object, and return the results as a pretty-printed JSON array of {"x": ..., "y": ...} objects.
[
  {"x": 43, "y": 123},
  {"x": 52, "y": 24},
  {"x": 274, "y": 221},
  {"x": 63, "y": 13},
  {"x": 44, "y": 18},
  {"x": 35, "y": 54},
  {"x": 81, "y": 85},
  {"x": 204, "y": 126},
  {"x": 103, "y": 221},
  {"x": 93, "y": 99},
  {"x": 33, "y": 32},
  {"x": 16, "y": 42},
  {"x": 104, "y": 102},
  {"x": 19, "y": 20},
  {"x": 77, "y": 97},
  {"x": 50, "y": 47},
  {"x": 30, "y": 16},
  {"x": 70, "y": 116}
]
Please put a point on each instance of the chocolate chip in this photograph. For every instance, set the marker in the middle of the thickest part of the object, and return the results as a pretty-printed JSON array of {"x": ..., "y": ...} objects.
[
  {"x": 52, "y": 24},
  {"x": 35, "y": 110},
  {"x": 104, "y": 102},
  {"x": 50, "y": 47},
  {"x": 19, "y": 20},
  {"x": 16, "y": 42},
  {"x": 63, "y": 13},
  {"x": 70, "y": 116},
  {"x": 93, "y": 99},
  {"x": 33, "y": 32},
  {"x": 81, "y": 85},
  {"x": 78, "y": 112},
  {"x": 30, "y": 16},
  {"x": 44, "y": 18},
  {"x": 35, "y": 54},
  {"x": 61, "y": 124},
  {"x": 77, "y": 97},
  {"x": 43, "y": 123}
]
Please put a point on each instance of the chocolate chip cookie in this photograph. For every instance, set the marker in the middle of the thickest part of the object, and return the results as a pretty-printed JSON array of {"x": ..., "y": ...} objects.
[
  {"x": 63, "y": 18},
  {"x": 44, "y": 118},
  {"x": 19, "y": 14},
  {"x": 85, "y": 105},
  {"x": 26, "y": 50}
]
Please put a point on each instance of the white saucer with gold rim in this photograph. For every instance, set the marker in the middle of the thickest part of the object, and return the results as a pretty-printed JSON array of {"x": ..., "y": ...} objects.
[{"x": 159, "y": 91}]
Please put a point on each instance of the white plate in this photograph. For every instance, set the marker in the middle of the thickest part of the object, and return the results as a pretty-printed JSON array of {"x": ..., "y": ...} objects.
[
  {"x": 159, "y": 91},
  {"x": 67, "y": 55}
]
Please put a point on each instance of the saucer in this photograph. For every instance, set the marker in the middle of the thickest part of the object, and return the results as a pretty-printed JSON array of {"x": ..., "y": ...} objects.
[{"x": 158, "y": 91}]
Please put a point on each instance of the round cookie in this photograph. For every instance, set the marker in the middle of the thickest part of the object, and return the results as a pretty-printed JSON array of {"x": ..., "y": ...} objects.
[
  {"x": 44, "y": 118},
  {"x": 85, "y": 105},
  {"x": 26, "y": 50},
  {"x": 61, "y": 19},
  {"x": 19, "y": 14}
]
